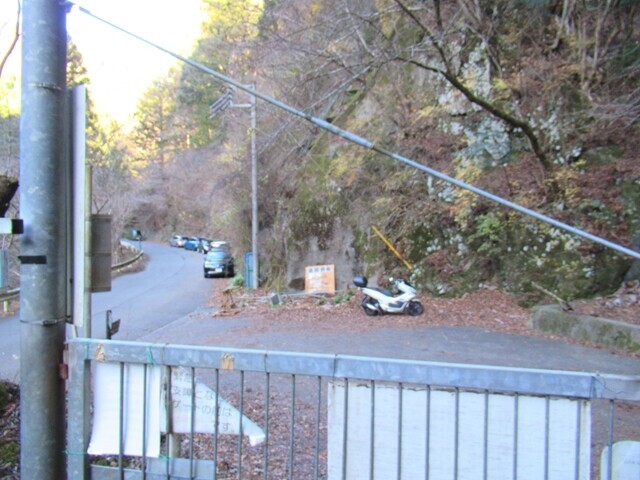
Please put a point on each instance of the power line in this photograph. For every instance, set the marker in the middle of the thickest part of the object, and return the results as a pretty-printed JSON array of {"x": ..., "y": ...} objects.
[{"x": 363, "y": 142}]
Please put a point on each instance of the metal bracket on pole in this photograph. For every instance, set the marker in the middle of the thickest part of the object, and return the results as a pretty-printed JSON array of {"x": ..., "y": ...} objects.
[{"x": 113, "y": 326}]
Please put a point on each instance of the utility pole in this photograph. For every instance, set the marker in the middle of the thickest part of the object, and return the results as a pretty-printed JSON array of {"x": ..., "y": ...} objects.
[
  {"x": 220, "y": 105},
  {"x": 43, "y": 288},
  {"x": 254, "y": 193}
]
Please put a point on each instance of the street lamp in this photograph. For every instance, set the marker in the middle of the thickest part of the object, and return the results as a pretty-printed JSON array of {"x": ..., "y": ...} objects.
[{"x": 220, "y": 105}]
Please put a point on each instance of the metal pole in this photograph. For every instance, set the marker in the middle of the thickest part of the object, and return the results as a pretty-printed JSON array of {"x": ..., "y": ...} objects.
[
  {"x": 42, "y": 246},
  {"x": 254, "y": 192}
]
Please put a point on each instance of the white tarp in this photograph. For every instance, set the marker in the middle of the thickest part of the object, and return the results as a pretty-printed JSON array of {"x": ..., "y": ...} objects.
[
  {"x": 107, "y": 396},
  {"x": 486, "y": 425}
]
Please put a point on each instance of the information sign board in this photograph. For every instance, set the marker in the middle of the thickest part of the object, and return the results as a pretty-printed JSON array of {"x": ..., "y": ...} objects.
[{"x": 320, "y": 279}]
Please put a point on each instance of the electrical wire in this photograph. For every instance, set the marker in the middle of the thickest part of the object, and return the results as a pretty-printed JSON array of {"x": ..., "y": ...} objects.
[{"x": 353, "y": 138}]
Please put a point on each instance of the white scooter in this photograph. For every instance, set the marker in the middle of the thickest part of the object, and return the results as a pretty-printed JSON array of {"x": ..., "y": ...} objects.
[{"x": 380, "y": 300}]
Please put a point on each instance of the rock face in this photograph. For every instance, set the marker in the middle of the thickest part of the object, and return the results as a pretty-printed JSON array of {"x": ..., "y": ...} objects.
[
  {"x": 456, "y": 241},
  {"x": 634, "y": 271},
  {"x": 338, "y": 250}
]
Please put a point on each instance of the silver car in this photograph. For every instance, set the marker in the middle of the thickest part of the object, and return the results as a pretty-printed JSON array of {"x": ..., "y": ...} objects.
[{"x": 177, "y": 241}]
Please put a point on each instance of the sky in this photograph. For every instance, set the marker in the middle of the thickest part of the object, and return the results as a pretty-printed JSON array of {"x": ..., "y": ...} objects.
[{"x": 120, "y": 67}]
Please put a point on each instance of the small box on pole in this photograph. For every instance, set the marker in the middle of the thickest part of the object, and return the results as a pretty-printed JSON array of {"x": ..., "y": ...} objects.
[{"x": 101, "y": 253}]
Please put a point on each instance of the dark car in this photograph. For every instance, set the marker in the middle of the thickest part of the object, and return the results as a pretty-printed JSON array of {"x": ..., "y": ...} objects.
[
  {"x": 192, "y": 243},
  {"x": 218, "y": 261}
]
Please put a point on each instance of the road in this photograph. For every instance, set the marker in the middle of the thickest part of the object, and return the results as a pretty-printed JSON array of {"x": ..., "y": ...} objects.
[{"x": 170, "y": 287}]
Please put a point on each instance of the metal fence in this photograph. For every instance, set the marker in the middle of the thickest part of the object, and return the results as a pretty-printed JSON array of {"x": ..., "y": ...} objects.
[{"x": 138, "y": 410}]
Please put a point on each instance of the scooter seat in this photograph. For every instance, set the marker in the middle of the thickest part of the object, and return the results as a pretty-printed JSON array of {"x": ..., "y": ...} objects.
[{"x": 383, "y": 291}]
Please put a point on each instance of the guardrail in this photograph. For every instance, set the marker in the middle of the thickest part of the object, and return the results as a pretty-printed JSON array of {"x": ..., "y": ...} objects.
[
  {"x": 129, "y": 261},
  {"x": 15, "y": 292},
  {"x": 9, "y": 295}
]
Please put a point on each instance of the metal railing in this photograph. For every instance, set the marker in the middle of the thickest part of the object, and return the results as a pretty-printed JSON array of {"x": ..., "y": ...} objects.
[
  {"x": 166, "y": 411},
  {"x": 9, "y": 294}
]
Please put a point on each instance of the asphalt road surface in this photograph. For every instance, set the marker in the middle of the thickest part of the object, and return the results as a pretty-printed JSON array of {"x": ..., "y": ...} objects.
[{"x": 171, "y": 286}]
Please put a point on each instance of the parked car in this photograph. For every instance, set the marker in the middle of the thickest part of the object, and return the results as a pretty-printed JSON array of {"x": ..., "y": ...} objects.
[
  {"x": 177, "y": 241},
  {"x": 218, "y": 261},
  {"x": 220, "y": 244},
  {"x": 192, "y": 243},
  {"x": 205, "y": 245}
]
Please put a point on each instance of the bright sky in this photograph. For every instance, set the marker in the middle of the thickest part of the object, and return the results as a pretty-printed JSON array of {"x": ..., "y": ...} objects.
[{"x": 119, "y": 66}]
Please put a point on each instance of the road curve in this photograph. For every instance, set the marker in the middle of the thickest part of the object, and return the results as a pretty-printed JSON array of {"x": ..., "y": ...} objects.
[{"x": 171, "y": 286}]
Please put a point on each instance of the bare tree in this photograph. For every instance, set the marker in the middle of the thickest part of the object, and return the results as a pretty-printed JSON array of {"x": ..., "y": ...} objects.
[
  {"x": 444, "y": 66},
  {"x": 9, "y": 184},
  {"x": 14, "y": 42}
]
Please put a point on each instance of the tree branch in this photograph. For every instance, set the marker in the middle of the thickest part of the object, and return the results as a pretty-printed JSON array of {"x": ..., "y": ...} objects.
[
  {"x": 489, "y": 107},
  {"x": 453, "y": 79},
  {"x": 428, "y": 32},
  {"x": 15, "y": 40}
]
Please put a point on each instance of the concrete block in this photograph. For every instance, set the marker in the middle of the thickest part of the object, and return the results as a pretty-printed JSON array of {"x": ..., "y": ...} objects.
[{"x": 602, "y": 331}]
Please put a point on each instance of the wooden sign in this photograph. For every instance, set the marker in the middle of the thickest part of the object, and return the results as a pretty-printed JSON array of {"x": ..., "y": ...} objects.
[{"x": 320, "y": 279}]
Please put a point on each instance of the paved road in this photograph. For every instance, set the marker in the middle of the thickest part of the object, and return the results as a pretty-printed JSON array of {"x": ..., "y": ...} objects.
[
  {"x": 163, "y": 304},
  {"x": 171, "y": 286}
]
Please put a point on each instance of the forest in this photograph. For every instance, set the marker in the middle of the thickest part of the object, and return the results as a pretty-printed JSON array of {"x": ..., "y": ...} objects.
[{"x": 535, "y": 101}]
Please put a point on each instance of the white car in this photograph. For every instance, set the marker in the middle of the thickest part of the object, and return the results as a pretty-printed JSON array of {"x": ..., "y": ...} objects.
[{"x": 177, "y": 241}]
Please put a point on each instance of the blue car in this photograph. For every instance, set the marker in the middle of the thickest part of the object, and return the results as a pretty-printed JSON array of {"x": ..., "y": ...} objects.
[{"x": 192, "y": 243}]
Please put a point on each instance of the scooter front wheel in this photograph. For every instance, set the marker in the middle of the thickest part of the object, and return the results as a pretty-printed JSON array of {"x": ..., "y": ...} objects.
[{"x": 415, "y": 308}]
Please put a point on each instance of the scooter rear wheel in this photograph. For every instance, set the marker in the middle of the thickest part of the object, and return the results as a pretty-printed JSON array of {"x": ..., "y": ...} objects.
[
  {"x": 367, "y": 303},
  {"x": 415, "y": 308}
]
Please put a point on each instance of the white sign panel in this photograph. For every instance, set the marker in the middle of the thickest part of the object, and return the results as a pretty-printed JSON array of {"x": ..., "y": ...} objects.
[
  {"x": 464, "y": 433},
  {"x": 625, "y": 461},
  {"x": 105, "y": 438},
  {"x": 107, "y": 398},
  {"x": 204, "y": 410}
]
